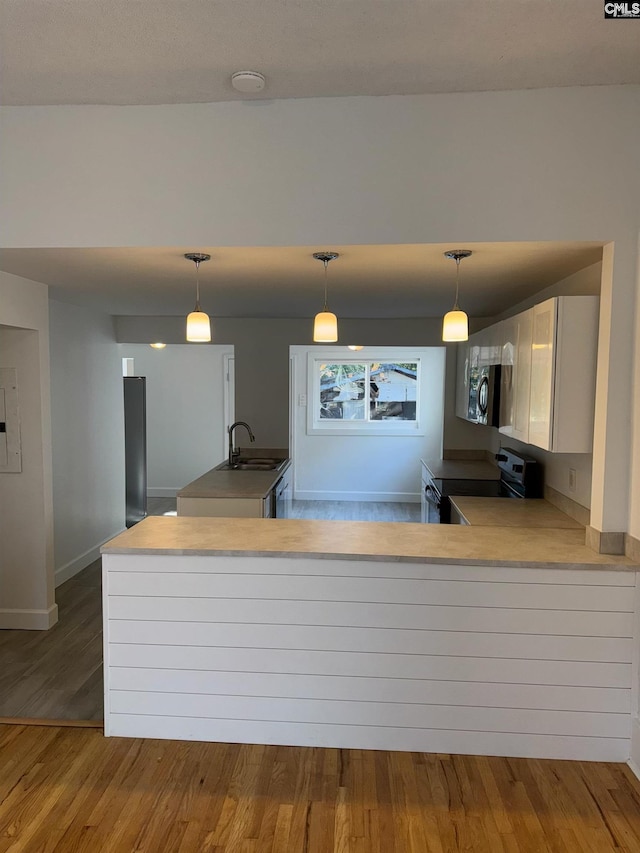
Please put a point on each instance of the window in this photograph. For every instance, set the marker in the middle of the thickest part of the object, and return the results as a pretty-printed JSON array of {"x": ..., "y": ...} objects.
[{"x": 364, "y": 395}]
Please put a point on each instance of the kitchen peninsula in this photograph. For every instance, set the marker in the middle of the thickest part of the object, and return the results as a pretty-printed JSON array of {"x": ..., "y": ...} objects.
[
  {"x": 374, "y": 636},
  {"x": 246, "y": 492}
]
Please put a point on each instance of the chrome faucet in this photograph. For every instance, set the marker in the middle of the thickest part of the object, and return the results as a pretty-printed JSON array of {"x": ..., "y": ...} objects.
[{"x": 233, "y": 454}]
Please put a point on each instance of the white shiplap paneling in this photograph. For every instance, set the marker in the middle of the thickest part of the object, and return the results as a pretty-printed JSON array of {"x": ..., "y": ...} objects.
[
  {"x": 370, "y": 737},
  {"x": 375, "y": 614},
  {"x": 370, "y": 654},
  {"x": 352, "y": 664},
  {"x": 417, "y": 691}
]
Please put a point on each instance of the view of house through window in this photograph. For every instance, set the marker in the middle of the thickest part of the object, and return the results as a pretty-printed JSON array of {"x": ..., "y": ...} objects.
[{"x": 368, "y": 391}]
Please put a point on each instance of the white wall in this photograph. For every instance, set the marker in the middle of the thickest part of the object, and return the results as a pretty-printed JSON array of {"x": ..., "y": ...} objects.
[
  {"x": 88, "y": 435},
  {"x": 262, "y": 362},
  {"x": 186, "y": 432},
  {"x": 371, "y": 467},
  {"x": 537, "y": 165},
  {"x": 26, "y": 507}
]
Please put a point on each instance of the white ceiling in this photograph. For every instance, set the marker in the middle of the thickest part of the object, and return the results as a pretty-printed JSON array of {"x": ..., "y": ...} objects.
[
  {"x": 365, "y": 281},
  {"x": 184, "y": 51}
]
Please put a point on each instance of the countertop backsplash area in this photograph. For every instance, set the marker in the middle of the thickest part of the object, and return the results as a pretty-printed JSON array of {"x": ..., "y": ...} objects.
[
  {"x": 577, "y": 511},
  {"x": 580, "y": 513}
]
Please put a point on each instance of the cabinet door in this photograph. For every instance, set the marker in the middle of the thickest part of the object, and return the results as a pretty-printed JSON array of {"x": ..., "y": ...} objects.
[
  {"x": 462, "y": 380},
  {"x": 522, "y": 383},
  {"x": 563, "y": 372},
  {"x": 475, "y": 349},
  {"x": 489, "y": 343},
  {"x": 507, "y": 390},
  {"x": 543, "y": 353},
  {"x": 494, "y": 343},
  {"x": 516, "y": 376}
]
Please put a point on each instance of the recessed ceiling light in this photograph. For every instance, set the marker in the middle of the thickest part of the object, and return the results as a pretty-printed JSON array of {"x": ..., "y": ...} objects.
[
  {"x": 158, "y": 345},
  {"x": 248, "y": 81}
]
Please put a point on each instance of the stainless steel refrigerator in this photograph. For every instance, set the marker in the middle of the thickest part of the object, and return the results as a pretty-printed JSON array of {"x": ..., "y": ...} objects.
[{"x": 135, "y": 448}]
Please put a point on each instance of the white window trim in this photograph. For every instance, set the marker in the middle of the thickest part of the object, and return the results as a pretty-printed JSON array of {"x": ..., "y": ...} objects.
[{"x": 318, "y": 426}]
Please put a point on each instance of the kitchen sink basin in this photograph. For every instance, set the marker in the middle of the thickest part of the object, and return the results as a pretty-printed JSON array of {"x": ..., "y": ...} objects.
[
  {"x": 255, "y": 466},
  {"x": 248, "y": 463}
]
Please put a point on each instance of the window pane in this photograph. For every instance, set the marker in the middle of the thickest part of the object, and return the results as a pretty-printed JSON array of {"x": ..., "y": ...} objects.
[
  {"x": 393, "y": 391},
  {"x": 342, "y": 391}
]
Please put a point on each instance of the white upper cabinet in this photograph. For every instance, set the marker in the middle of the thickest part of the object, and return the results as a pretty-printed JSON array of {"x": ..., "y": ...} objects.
[
  {"x": 490, "y": 344},
  {"x": 515, "y": 377},
  {"x": 563, "y": 373},
  {"x": 462, "y": 380},
  {"x": 548, "y": 373}
]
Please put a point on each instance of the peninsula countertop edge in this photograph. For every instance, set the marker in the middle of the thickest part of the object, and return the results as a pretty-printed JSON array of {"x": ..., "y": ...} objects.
[{"x": 366, "y": 541}]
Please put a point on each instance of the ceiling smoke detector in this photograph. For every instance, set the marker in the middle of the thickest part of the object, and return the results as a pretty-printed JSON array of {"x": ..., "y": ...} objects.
[{"x": 248, "y": 81}]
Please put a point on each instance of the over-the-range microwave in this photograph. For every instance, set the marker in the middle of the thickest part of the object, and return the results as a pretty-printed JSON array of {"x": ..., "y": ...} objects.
[{"x": 484, "y": 395}]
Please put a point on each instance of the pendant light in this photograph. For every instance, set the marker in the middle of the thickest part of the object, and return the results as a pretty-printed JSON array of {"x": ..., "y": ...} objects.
[
  {"x": 198, "y": 325},
  {"x": 325, "y": 325},
  {"x": 455, "y": 325}
]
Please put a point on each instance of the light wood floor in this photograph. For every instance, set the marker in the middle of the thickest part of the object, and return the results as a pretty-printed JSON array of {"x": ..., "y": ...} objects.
[
  {"x": 331, "y": 510},
  {"x": 57, "y": 674},
  {"x": 356, "y": 510},
  {"x": 64, "y": 790},
  {"x": 161, "y": 506}
]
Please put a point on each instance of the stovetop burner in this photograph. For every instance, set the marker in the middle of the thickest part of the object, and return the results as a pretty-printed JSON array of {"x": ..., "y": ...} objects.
[{"x": 474, "y": 488}]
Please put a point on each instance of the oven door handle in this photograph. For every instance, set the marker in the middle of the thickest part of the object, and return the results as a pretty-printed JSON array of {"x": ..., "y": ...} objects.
[{"x": 432, "y": 496}]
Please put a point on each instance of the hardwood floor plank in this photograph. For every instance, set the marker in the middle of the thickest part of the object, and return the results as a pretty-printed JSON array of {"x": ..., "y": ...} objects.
[
  {"x": 70, "y": 790},
  {"x": 283, "y": 829}
]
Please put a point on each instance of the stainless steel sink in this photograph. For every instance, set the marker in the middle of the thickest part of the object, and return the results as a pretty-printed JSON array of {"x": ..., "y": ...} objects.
[
  {"x": 255, "y": 466},
  {"x": 248, "y": 463}
]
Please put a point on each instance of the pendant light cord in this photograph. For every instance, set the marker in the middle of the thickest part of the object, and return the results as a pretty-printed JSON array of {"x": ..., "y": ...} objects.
[
  {"x": 197, "y": 262},
  {"x": 326, "y": 264},
  {"x": 455, "y": 305}
]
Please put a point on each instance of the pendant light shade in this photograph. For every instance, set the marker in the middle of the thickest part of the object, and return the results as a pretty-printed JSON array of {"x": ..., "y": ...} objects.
[
  {"x": 198, "y": 324},
  {"x": 325, "y": 328},
  {"x": 455, "y": 325},
  {"x": 198, "y": 327},
  {"x": 325, "y": 325}
]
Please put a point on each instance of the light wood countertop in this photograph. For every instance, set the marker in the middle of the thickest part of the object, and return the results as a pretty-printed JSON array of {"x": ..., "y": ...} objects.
[
  {"x": 502, "y": 512},
  {"x": 454, "y": 469},
  {"x": 362, "y": 540}
]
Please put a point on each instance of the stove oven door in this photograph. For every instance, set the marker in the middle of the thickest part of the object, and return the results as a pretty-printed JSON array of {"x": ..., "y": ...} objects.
[{"x": 430, "y": 503}]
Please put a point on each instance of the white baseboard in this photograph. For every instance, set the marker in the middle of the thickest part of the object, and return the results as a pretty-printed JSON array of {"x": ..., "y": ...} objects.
[
  {"x": 64, "y": 573},
  {"x": 634, "y": 758},
  {"x": 29, "y": 620},
  {"x": 391, "y": 497},
  {"x": 163, "y": 492}
]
